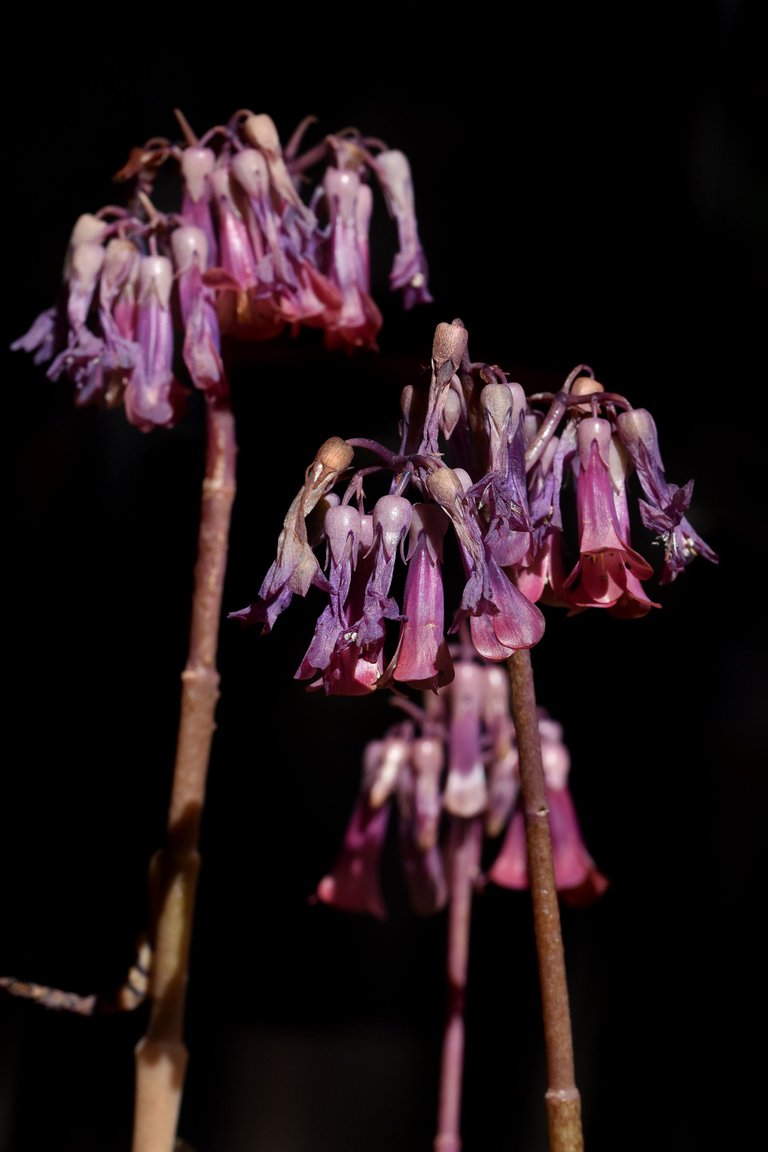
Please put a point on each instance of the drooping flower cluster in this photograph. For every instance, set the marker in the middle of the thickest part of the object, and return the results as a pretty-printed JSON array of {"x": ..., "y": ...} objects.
[
  {"x": 147, "y": 295},
  {"x": 455, "y": 758},
  {"x": 535, "y": 506}
]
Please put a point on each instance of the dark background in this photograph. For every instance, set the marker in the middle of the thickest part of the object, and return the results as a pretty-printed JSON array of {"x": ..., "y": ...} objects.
[{"x": 605, "y": 203}]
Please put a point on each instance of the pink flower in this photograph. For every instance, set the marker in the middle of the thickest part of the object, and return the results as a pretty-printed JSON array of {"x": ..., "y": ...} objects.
[
  {"x": 578, "y": 879},
  {"x": 153, "y": 395},
  {"x": 608, "y": 571},
  {"x": 423, "y": 659},
  {"x": 356, "y": 323},
  {"x": 501, "y": 619},
  {"x": 354, "y": 883},
  {"x": 202, "y": 340}
]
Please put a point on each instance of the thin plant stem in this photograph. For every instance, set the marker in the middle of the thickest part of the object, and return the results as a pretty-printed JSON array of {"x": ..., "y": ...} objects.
[
  {"x": 161, "y": 1055},
  {"x": 562, "y": 1097},
  {"x": 464, "y": 854}
]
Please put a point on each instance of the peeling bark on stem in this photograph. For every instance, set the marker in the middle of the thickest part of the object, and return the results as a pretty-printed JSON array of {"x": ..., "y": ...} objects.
[
  {"x": 161, "y": 1055},
  {"x": 464, "y": 854},
  {"x": 562, "y": 1098}
]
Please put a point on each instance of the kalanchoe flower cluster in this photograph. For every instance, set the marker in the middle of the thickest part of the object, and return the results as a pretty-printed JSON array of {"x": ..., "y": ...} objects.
[
  {"x": 455, "y": 758},
  {"x": 147, "y": 295},
  {"x": 530, "y": 498}
]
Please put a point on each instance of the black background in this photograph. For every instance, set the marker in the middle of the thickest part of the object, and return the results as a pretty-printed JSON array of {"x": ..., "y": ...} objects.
[{"x": 602, "y": 203}]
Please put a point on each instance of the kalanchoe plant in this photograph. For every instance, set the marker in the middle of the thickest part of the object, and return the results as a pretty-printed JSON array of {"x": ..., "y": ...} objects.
[
  {"x": 263, "y": 241},
  {"x": 530, "y": 500}
]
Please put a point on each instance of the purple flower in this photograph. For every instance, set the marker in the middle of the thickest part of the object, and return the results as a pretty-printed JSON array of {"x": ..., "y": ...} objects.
[
  {"x": 409, "y": 271},
  {"x": 465, "y": 792},
  {"x": 348, "y": 645},
  {"x": 503, "y": 491},
  {"x": 202, "y": 340},
  {"x": 345, "y": 670},
  {"x": 152, "y": 394},
  {"x": 296, "y": 567},
  {"x": 196, "y": 164},
  {"x": 456, "y": 761},
  {"x": 354, "y": 882},
  {"x": 502, "y": 620},
  {"x": 664, "y": 511},
  {"x": 391, "y": 521},
  {"x": 246, "y": 308},
  {"x": 261, "y": 264},
  {"x": 356, "y": 323}
]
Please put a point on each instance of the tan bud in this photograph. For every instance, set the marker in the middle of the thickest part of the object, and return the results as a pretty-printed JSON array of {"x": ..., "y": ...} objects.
[
  {"x": 585, "y": 386},
  {"x": 444, "y": 485},
  {"x": 335, "y": 455},
  {"x": 450, "y": 343}
]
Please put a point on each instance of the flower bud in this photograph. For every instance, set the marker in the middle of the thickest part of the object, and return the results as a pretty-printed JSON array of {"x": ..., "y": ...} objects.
[
  {"x": 449, "y": 344},
  {"x": 189, "y": 244},
  {"x": 196, "y": 164}
]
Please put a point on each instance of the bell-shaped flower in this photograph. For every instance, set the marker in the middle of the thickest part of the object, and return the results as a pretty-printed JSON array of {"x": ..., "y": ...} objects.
[
  {"x": 608, "y": 570},
  {"x": 409, "y": 270},
  {"x": 197, "y": 164},
  {"x": 577, "y": 878},
  {"x": 298, "y": 290},
  {"x": 503, "y": 491},
  {"x": 81, "y": 359},
  {"x": 83, "y": 268},
  {"x": 245, "y": 304},
  {"x": 391, "y": 521},
  {"x": 335, "y": 652},
  {"x": 449, "y": 347},
  {"x": 423, "y": 659},
  {"x": 296, "y": 567},
  {"x": 342, "y": 529},
  {"x": 118, "y": 318},
  {"x": 354, "y": 882},
  {"x": 152, "y": 395},
  {"x": 465, "y": 792},
  {"x": 119, "y": 289},
  {"x": 501, "y": 619},
  {"x": 349, "y": 201},
  {"x": 421, "y": 861},
  {"x": 348, "y": 646},
  {"x": 260, "y": 130},
  {"x": 202, "y": 341},
  {"x": 663, "y": 512},
  {"x": 427, "y": 761}
]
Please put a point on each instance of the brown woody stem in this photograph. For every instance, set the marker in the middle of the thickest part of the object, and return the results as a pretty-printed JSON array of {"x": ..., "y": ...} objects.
[
  {"x": 161, "y": 1055},
  {"x": 562, "y": 1098},
  {"x": 464, "y": 855}
]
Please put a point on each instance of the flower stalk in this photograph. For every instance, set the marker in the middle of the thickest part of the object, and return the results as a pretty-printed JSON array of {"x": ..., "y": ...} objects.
[
  {"x": 161, "y": 1055},
  {"x": 563, "y": 1101},
  {"x": 466, "y": 841}
]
